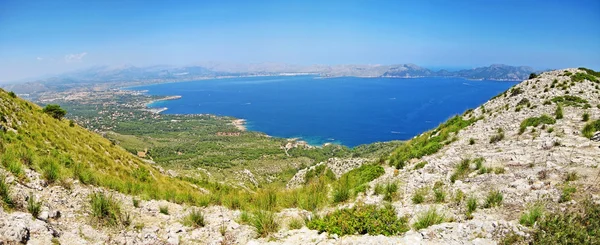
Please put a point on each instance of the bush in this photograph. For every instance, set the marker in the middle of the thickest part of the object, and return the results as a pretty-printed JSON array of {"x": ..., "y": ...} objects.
[
  {"x": 194, "y": 219},
  {"x": 12, "y": 94},
  {"x": 471, "y": 141},
  {"x": 570, "y": 100},
  {"x": 265, "y": 223},
  {"x": 571, "y": 176},
  {"x": 32, "y": 206},
  {"x": 51, "y": 170},
  {"x": 295, "y": 224},
  {"x": 585, "y": 117},
  {"x": 536, "y": 121},
  {"x": 590, "y": 128},
  {"x": 534, "y": 214},
  {"x": 497, "y": 137},
  {"x": 5, "y": 193},
  {"x": 576, "y": 226},
  {"x": 471, "y": 206},
  {"x": 55, "y": 111},
  {"x": 493, "y": 199},
  {"x": 136, "y": 202},
  {"x": 420, "y": 165},
  {"x": 105, "y": 209},
  {"x": 439, "y": 195},
  {"x": 429, "y": 218},
  {"x": 390, "y": 192},
  {"x": 362, "y": 219},
  {"x": 558, "y": 114},
  {"x": 567, "y": 191},
  {"x": 164, "y": 210},
  {"x": 419, "y": 195},
  {"x": 532, "y": 76}
]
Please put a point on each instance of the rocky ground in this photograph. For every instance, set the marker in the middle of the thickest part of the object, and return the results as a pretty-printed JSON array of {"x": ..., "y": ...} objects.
[{"x": 527, "y": 168}]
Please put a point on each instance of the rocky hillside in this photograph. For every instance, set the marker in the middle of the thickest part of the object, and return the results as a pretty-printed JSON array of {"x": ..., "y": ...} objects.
[{"x": 524, "y": 163}]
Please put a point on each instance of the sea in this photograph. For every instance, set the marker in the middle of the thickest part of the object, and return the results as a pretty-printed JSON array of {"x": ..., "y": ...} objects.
[{"x": 345, "y": 110}]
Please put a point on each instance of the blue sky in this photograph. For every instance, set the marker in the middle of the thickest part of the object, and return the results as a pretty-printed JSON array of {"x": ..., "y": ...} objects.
[{"x": 48, "y": 37}]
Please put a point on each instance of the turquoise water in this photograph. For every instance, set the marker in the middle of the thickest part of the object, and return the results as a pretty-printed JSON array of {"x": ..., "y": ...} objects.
[{"x": 347, "y": 110}]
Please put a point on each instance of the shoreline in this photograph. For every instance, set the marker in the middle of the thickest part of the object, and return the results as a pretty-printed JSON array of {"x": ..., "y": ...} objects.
[{"x": 240, "y": 124}]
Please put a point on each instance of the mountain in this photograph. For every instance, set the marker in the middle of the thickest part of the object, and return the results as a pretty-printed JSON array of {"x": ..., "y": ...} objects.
[
  {"x": 155, "y": 74},
  {"x": 520, "y": 169},
  {"x": 494, "y": 72}
]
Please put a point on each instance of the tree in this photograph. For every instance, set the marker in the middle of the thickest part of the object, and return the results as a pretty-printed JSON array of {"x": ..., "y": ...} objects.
[
  {"x": 12, "y": 94},
  {"x": 55, "y": 111},
  {"x": 532, "y": 76}
]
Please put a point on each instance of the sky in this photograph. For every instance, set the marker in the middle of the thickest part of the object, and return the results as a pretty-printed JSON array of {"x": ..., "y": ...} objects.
[{"x": 44, "y": 37}]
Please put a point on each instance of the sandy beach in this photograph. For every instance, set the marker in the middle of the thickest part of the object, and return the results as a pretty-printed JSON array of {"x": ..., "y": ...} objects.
[{"x": 239, "y": 124}]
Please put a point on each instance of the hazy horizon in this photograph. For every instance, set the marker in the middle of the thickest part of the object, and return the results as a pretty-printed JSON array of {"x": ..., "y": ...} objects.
[{"x": 53, "y": 37}]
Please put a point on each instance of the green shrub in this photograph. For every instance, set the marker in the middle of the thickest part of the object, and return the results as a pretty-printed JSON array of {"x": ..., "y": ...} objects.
[
  {"x": 361, "y": 219},
  {"x": 570, "y": 100},
  {"x": 532, "y": 76},
  {"x": 567, "y": 191},
  {"x": 471, "y": 141},
  {"x": 55, "y": 111},
  {"x": 585, "y": 117},
  {"x": 428, "y": 143},
  {"x": 536, "y": 121},
  {"x": 493, "y": 199},
  {"x": 390, "y": 192},
  {"x": 12, "y": 94},
  {"x": 590, "y": 128},
  {"x": 533, "y": 215},
  {"x": 516, "y": 91},
  {"x": 420, "y": 165},
  {"x": 461, "y": 170},
  {"x": 558, "y": 114},
  {"x": 497, "y": 137},
  {"x": 295, "y": 224},
  {"x": 105, "y": 209},
  {"x": 419, "y": 195},
  {"x": 5, "y": 193},
  {"x": 571, "y": 176},
  {"x": 580, "y": 225},
  {"x": 265, "y": 223},
  {"x": 428, "y": 218},
  {"x": 32, "y": 206},
  {"x": 164, "y": 210},
  {"x": 471, "y": 206},
  {"x": 439, "y": 195},
  {"x": 136, "y": 202},
  {"x": 11, "y": 163},
  {"x": 194, "y": 219}
]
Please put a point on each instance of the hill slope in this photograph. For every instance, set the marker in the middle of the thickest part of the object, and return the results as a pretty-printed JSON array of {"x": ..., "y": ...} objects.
[{"x": 505, "y": 171}]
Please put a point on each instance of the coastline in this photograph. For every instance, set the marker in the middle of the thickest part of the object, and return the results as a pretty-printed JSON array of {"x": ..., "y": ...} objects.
[
  {"x": 240, "y": 124},
  {"x": 159, "y": 110}
]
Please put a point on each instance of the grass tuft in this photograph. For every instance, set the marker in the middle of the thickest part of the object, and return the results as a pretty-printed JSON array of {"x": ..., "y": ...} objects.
[
  {"x": 194, "y": 219},
  {"x": 428, "y": 218},
  {"x": 493, "y": 199}
]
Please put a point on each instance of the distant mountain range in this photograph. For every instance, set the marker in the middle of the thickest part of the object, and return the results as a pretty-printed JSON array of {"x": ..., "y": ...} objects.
[{"x": 155, "y": 74}]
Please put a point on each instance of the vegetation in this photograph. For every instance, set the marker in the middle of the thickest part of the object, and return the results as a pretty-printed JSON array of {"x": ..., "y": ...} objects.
[
  {"x": 570, "y": 100},
  {"x": 295, "y": 224},
  {"x": 428, "y": 218},
  {"x": 536, "y": 121},
  {"x": 464, "y": 168},
  {"x": 579, "y": 225},
  {"x": 590, "y": 128},
  {"x": 567, "y": 191},
  {"x": 420, "y": 165},
  {"x": 493, "y": 199},
  {"x": 164, "y": 210},
  {"x": 361, "y": 219},
  {"x": 419, "y": 195},
  {"x": 33, "y": 207},
  {"x": 55, "y": 111},
  {"x": 264, "y": 222},
  {"x": 194, "y": 219},
  {"x": 532, "y": 216},
  {"x": 471, "y": 206},
  {"x": 585, "y": 117},
  {"x": 5, "y": 193},
  {"x": 428, "y": 143},
  {"x": 497, "y": 137},
  {"x": 558, "y": 114},
  {"x": 105, "y": 209},
  {"x": 532, "y": 76}
]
